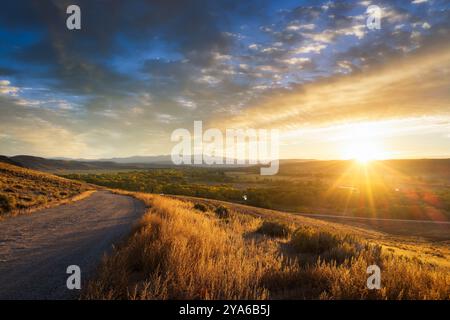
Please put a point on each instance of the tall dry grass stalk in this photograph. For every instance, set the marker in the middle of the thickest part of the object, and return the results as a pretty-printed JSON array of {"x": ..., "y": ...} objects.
[
  {"x": 178, "y": 252},
  {"x": 175, "y": 253}
]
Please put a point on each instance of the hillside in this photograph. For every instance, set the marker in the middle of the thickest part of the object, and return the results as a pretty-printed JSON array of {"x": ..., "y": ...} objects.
[
  {"x": 201, "y": 249},
  {"x": 4, "y": 159},
  {"x": 24, "y": 189},
  {"x": 51, "y": 165},
  {"x": 62, "y": 165}
]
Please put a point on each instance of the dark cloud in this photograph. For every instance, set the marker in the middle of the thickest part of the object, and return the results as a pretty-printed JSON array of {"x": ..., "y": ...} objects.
[
  {"x": 391, "y": 43},
  {"x": 304, "y": 14},
  {"x": 5, "y": 71},
  {"x": 79, "y": 60}
]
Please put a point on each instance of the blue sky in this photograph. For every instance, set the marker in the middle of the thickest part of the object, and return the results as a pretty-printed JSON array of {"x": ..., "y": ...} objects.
[{"x": 137, "y": 70}]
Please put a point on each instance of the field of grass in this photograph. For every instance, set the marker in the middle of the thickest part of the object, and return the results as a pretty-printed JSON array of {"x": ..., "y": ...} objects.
[
  {"x": 336, "y": 188},
  {"x": 23, "y": 190},
  {"x": 202, "y": 249}
]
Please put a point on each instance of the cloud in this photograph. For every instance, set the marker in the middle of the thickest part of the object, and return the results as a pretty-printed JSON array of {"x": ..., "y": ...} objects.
[
  {"x": 330, "y": 35},
  {"x": 413, "y": 86},
  {"x": 80, "y": 62},
  {"x": 159, "y": 64},
  {"x": 297, "y": 61},
  {"x": 44, "y": 138},
  {"x": 5, "y": 71},
  {"x": 165, "y": 118},
  {"x": 7, "y": 89},
  {"x": 297, "y": 27},
  {"x": 308, "y": 48},
  {"x": 186, "y": 103}
]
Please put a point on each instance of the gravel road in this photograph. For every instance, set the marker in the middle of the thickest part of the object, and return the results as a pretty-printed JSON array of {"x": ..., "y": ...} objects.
[{"x": 36, "y": 249}]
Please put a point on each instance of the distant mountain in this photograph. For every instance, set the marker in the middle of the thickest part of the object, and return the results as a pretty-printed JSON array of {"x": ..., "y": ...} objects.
[
  {"x": 51, "y": 165},
  {"x": 163, "y": 159},
  {"x": 150, "y": 160},
  {"x": 7, "y": 160},
  {"x": 58, "y": 165},
  {"x": 65, "y": 164}
]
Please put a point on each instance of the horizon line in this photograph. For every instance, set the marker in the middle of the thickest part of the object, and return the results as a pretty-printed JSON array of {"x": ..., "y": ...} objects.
[{"x": 62, "y": 158}]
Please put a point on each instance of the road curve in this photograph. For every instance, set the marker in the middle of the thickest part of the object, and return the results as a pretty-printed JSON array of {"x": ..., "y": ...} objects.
[{"x": 36, "y": 249}]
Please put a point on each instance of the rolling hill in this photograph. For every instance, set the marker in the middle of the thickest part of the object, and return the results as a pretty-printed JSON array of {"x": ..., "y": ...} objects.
[
  {"x": 62, "y": 165},
  {"x": 22, "y": 190},
  {"x": 4, "y": 159},
  {"x": 188, "y": 248},
  {"x": 52, "y": 165},
  {"x": 69, "y": 165}
]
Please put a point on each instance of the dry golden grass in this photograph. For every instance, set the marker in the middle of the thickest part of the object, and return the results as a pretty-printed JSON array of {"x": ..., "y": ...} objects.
[
  {"x": 178, "y": 252},
  {"x": 275, "y": 229},
  {"x": 23, "y": 190}
]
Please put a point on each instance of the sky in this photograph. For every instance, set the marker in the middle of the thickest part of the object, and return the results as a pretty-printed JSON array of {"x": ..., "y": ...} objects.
[{"x": 138, "y": 70}]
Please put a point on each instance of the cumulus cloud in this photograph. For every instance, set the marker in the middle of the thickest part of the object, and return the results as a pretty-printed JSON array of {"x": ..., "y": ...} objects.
[{"x": 308, "y": 48}]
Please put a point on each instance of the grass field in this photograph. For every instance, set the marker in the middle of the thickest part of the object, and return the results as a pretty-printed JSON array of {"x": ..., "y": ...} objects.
[
  {"x": 23, "y": 190},
  {"x": 203, "y": 249},
  {"x": 376, "y": 190}
]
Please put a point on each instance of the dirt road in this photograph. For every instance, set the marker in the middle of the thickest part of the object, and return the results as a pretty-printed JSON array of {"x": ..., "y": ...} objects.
[{"x": 36, "y": 249}]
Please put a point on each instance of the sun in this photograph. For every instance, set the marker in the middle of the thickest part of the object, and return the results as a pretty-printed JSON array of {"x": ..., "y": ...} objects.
[
  {"x": 363, "y": 142},
  {"x": 363, "y": 152},
  {"x": 363, "y": 159}
]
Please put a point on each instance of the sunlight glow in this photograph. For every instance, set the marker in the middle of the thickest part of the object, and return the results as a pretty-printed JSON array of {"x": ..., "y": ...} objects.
[
  {"x": 363, "y": 143},
  {"x": 363, "y": 152}
]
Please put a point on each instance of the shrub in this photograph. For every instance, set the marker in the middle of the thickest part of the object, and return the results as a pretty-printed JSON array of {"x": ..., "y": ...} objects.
[
  {"x": 222, "y": 212},
  {"x": 7, "y": 203},
  {"x": 309, "y": 240},
  {"x": 200, "y": 207},
  {"x": 274, "y": 229},
  {"x": 41, "y": 200}
]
